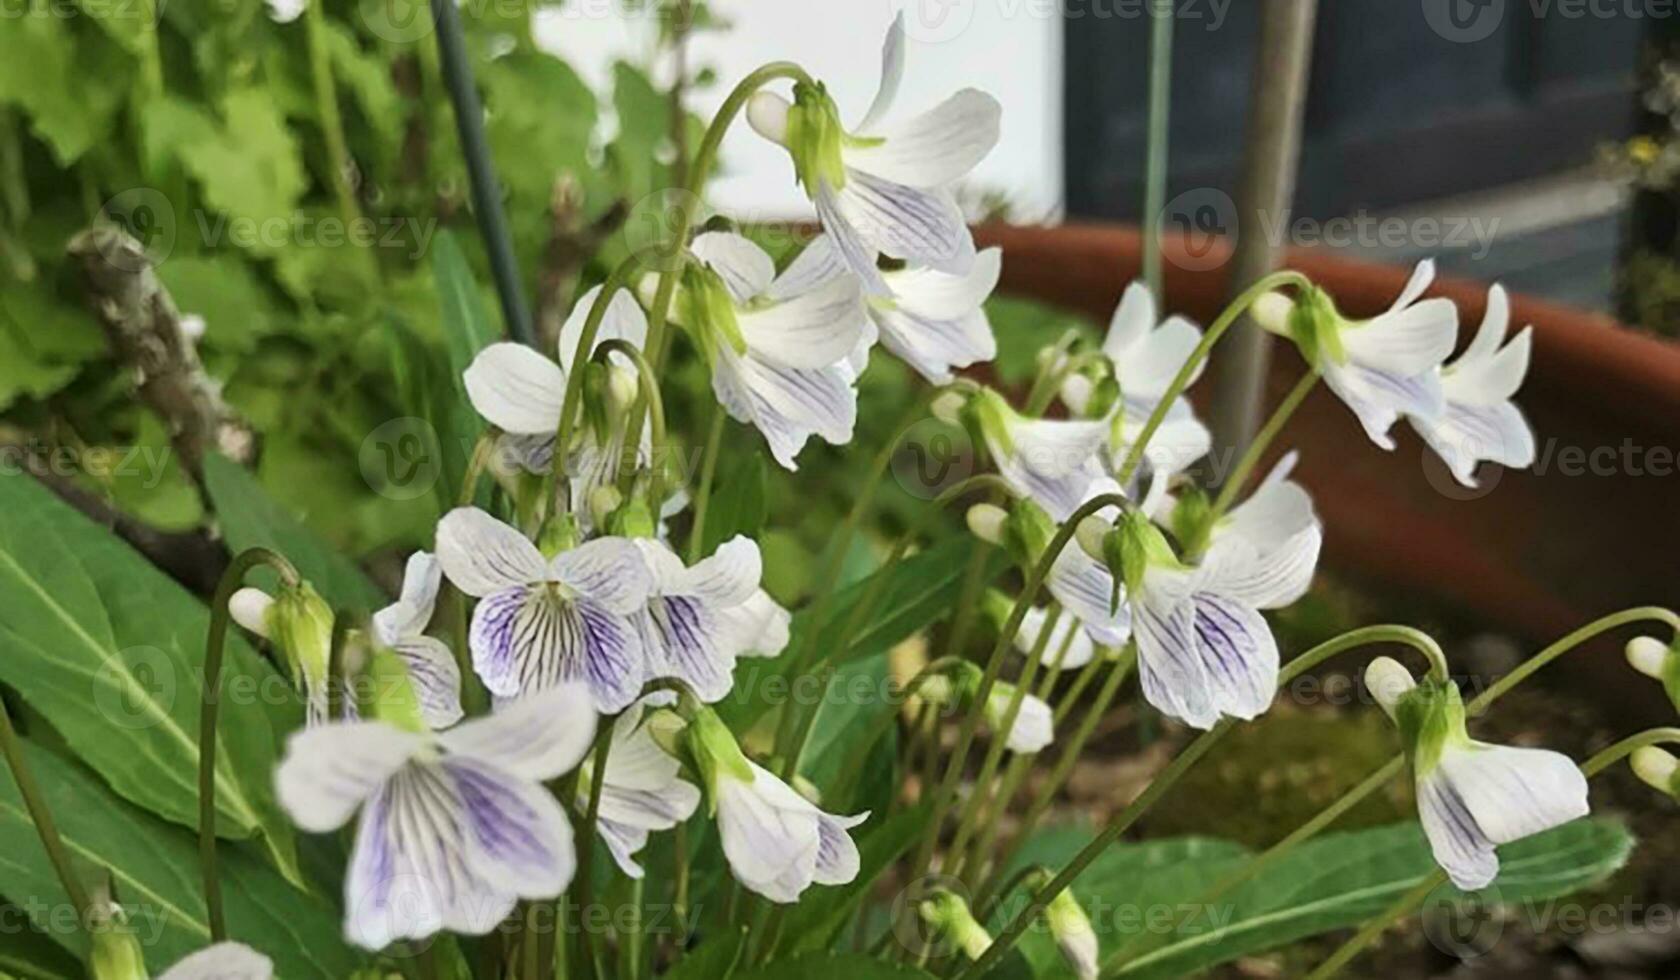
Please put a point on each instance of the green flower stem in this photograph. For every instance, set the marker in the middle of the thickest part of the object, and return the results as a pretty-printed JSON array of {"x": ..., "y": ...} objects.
[
  {"x": 969, "y": 816},
  {"x": 476, "y": 465},
  {"x": 1155, "y": 162},
  {"x": 648, "y": 390},
  {"x": 1063, "y": 769},
  {"x": 860, "y": 756},
  {"x": 1393, "y": 768},
  {"x": 1239, "y": 306},
  {"x": 834, "y": 560},
  {"x": 571, "y": 401},
  {"x": 679, "y": 891},
  {"x": 1409, "y": 902},
  {"x": 630, "y": 946},
  {"x": 332, "y": 121},
  {"x": 210, "y": 711},
  {"x": 12, "y": 747},
  {"x": 1183, "y": 763},
  {"x": 946, "y": 792},
  {"x": 1262, "y": 441},
  {"x": 703, "y": 492},
  {"x": 586, "y": 847}
]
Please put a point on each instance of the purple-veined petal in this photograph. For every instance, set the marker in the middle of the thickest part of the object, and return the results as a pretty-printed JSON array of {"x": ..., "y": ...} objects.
[
  {"x": 623, "y": 842},
  {"x": 519, "y": 840},
  {"x": 856, "y": 251},
  {"x": 922, "y": 226},
  {"x": 933, "y": 149},
  {"x": 537, "y": 737},
  {"x": 816, "y": 264},
  {"x": 786, "y": 405},
  {"x": 525, "y": 641},
  {"x": 771, "y": 835},
  {"x": 610, "y": 571},
  {"x": 330, "y": 770},
  {"x": 1514, "y": 793},
  {"x": 1378, "y": 399},
  {"x": 411, "y": 612},
  {"x": 1468, "y": 435},
  {"x": 729, "y": 576},
  {"x": 934, "y": 348},
  {"x": 1171, "y": 672},
  {"x": 1460, "y": 847},
  {"x": 515, "y": 388},
  {"x": 1085, "y": 588},
  {"x": 1238, "y": 653},
  {"x": 810, "y": 330},
  {"x": 481, "y": 555},
  {"x": 684, "y": 641},
  {"x": 1270, "y": 579},
  {"x": 837, "y": 853},
  {"x": 435, "y": 676},
  {"x": 746, "y": 269}
]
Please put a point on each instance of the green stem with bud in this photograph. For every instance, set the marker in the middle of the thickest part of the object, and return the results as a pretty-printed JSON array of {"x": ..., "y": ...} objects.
[
  {"x": 571, "y": 401},
  {"x": 209, "y": 713},
  {"x": 648, "y": 390},
  {"x": 1182, "y": 764},
  {"x": 1181, "y": 381}
]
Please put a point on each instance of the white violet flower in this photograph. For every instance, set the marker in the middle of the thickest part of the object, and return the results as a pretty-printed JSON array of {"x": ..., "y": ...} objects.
[
  {"x": 687, "y": 632},
  {"x": 643, "y": 790},
  {"x": 401, "y": 626}
]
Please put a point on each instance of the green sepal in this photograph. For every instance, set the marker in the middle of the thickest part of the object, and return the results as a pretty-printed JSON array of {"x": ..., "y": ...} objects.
[
  {"x": 116, "y": 953},
  {"x": 709, "y": 310},
  {"x": 301, "y": 625},
  {"x": 815, "y": 138},
  {"x": 989, "y": 416},
  {"x": 559, "y": 534},
  {"x": 1028, "y": 532},
  {"x": 390, "y": 691},
  {"x": 1671, "y": 673},
  {"x": 1191, "y": 519},
  {"x": 1141, "y": 545},
  {"x": 1105, "y": 395},
  {"x": 1316, "y": 327},
  {"x": 1431, "y": 718},
  {"x": 715, "y": 752}
]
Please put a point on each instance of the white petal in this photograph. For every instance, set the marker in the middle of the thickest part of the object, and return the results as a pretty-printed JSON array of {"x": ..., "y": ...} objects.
[
  {"x": 1422, "y": 276},
  {"x": 1238, "y": 653},
  {"x": 1033, "y": 728},
  {"x": 1514, "y": 793},
  {"x": 538, "y": 737},
  {"x": 1493, "y": 378},
  {"x": 436, "y": 678},
  {"x": 1132, "y": 321},
  {"x": 685, "y": 640},
  {"x": 1495, "y": 321},
  {"x": 1179, "y": 441},
  {"x": 837, "y": 853},
  {"x": 849, "y": 242},
  {"x": 786, "y": 405},
  {"x": 816, "y": 264},
  {"x": 1147, "y": 368},
  {"x": 730, "y": 576},
  {"x": 1378, "y": 400},
  {"x": 1086, "y": 589},
  {"x": 1407, "y": 341},
  {"x": 1267, "y": 579},
  {"x": 412, "y": 611},
  {"x": 1069, "y": 646},
  {"x": 330, "y": 770},
  {"x": 934, "y": 348},
  {"x": 935, "y": 148},
  {"x": 482, "y": 555},
  {"x": 759, "y": 627},
  {"x": 745, "y": 269},
  {"x": 1277, "y": 511},
  {"x": 223, "y": 961},
  {"x": 1467, "y": 435},
  {"x": 516, "y": 389},
  {"x": 935, "y": 295},
  {"x": 1459, "y": 846},
  {"x": 520, "y": 841},
  {"x": 811, "y": 330},
  {"x": 525, "y": 641},
  {"x": 610, "y": 571},
  {"x": 1170, "y": 672},
  {"x": 623, "y": 842},
  {"x": 892, "y": 73},
  {"x": 771, "y": 835},
  {"x": 921, "y": 226},
  {"x": 623, "y": 320}
]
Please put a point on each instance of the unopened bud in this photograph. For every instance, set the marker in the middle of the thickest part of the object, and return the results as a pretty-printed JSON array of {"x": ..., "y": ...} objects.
[
  {"x": 1658, "y": 768},
  {"x": 1092, "y": 533},
  {"x": 1071, "y": 928},
  {"x": 949, "y": 914},
  {"x": 986, "y": 522},
  {"x": 1648, "y": 655},
  {"x": 1271, "y": 311},
  {"x": 116, "y": 953},
  {"x": 948, "y": 407},
  {"x": 767, "y": 114},
  {"x": 1388, "y": 682},
  {"x": 603, "y": 500},
  {"x": 249, "y": 608}
]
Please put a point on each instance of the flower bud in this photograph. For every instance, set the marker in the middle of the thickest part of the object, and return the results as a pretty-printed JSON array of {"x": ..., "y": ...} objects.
[
  {"x": 115, "y": 953},
  {"x": 1658, "y": 768},
  {"x": 767, "y": 114},
  {"x": 948, "y": 407},
  {"x": 714, "y": 751},
  {"x": 623, "y": 388},
  {"x": 949, "y": 915},
  {"x": 249, "y": 608},
  {"x": 1092, "y": 536},
  {"x": 1648, "y": 655},
  {"x": 986, "y": 522},
  {"x": 1388, "y": 682},
  {"x": 1071, "y": 928},
  {"x": 1271, "y": 311},
  {"x": 603, "y": 501},
  {"x": 300, "y": 625}
]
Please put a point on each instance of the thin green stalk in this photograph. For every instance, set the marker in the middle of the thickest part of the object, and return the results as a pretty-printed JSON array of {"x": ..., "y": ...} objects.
[
  {"x": 586, "y": 847},
  {"x": 482, "y": 449},
  {"x": 1409, "y": 902},
  {"x": 679, "y": 891},
  {"x": 481, "y": 170},
  {"x": 1381, "y": 777},
  {"x": 649, "y": 391},
  {"x": 1182, "y": 764},
  {"x": 967, "y": 820},
  {"x": 1155, "y": 169},
  {"x": 572, "y": 399},
  {"x": 1262, "y": 441},
  {"x": 946, "y": 792},
  {"x": 630, "y": 945},
  {"x": 860, "y": 756},
  {"x": 703, "y": 492},
  {"x": 210, "y": 712},
  {"x": 1181, "y": 381},
  {"x": 332, "y": 121},
  {"x": 45, "y": 827}
]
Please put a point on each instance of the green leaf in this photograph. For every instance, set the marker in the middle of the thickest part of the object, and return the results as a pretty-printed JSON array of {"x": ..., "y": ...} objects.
[
  {"x": 251, "y": 170},
  {"x": 715, "y": 959},
  {"x": 29, "y": 955},
  {"x": 154, "y": 868},
  {"x": 69, "y": 88},
  {"x": 43, "y": 342},
  {"x": 540, "y": 112},
  {"x": 740, "y": 503},
  {"x": 223, "y": 289},
  {"x": 110, "y": 651},
  {"x": 814, "y": 923},
  {"x": 828, "y": 966},
  {"x": 467, "y": 329},
  {"x": 250, "y": 518}
]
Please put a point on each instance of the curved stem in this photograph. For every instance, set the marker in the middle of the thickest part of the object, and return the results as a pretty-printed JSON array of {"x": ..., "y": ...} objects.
[
  {"x": 1181, "y": 381},
  {"x": 1527, "y": 668},
  {"x": 703, "y": 492},
  {"x": 648, "y": 391},
  {"x": 210, "y": 711},
  {"x": 1409, "y": 902},
  {"x": 946, "y": 792},
  {"x": 475, "y": 466},
  {"x": 569, "y": 402},
  {"x": 1182, "y": 764},
  {"x": 36, "y": 804}
]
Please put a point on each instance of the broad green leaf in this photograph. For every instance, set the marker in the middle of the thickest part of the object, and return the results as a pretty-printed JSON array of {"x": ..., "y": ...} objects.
[
  {"x": 155, "y": 871},
  {"x": 110, "y": 651},
  {"x": 467, "y": 329},
  {"x": 252, "y": 172},
  {"x": 1341, "y": 880},
  {"x": 830, "y": 966},
  {"x": 715, "y": 959},
  {"x": 542, "y": 114},
  {"x": 739, "y": 503},
  {"x": 250, "y": 518},
  {"x": 69, "y": 87},
  {"x": 813, "y": 924},
  {"x": 44, "y": 341},
  {"x": 27, "y": 954},
  {"x": 223, "y": 289}
]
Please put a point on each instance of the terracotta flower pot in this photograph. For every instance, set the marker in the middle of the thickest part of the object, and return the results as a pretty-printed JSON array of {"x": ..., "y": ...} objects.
[{"x": 1592, "y": 528}]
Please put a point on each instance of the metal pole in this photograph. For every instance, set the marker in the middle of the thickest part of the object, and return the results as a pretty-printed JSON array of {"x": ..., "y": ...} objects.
[
  {"x": 1271, "y": 162},
  {"x": 1155, "y": 168}
]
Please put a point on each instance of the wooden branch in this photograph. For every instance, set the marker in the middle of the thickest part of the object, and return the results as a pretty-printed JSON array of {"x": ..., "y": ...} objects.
[{"x": 143, "y": 328}]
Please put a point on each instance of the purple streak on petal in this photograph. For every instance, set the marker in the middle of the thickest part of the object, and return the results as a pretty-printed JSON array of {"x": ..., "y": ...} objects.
[
  {"x": 494, "y": 625},
  {"x": 499, "y": 821}
]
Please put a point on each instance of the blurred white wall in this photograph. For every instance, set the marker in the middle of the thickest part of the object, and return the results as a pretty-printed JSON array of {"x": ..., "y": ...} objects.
[{"x": 1010, "y": 48}]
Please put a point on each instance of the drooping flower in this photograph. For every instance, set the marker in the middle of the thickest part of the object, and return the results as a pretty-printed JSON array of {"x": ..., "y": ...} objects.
[
  {"x": 1056, "y": 463},
  {"x": 1069, "y": 646},
  {"x": 760, "y": 625},
  {"x": 402, "y": 627},
  {"x": 1657, "y": 768},
  {"x": 933, "y": 321},
  {"x": 643, "y": 790},
  {"x": 1204, "y": 649},
  {"x": 1144, "y": 356},
  {"x": 1033, "y": 727},
  {"x": 300, "y": 625},
  {"x": 1381, "y": 368},
  {"x": 686, "y": 628},
  {"x": 1659, "y": 661},
  {"x": 1472, "y": 796},
  {"x": 883, "y": 188},
  {"x": 455, "y": 826},
  {"x": 777, "y": 842},
  {"x": 777, "y": 347},
  {"x": 1085, "y": 587},
  {"x": 1075, "y": 938},
  {"x": 1479, "y": 422},
  {"x": 542, "y": 622}
]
